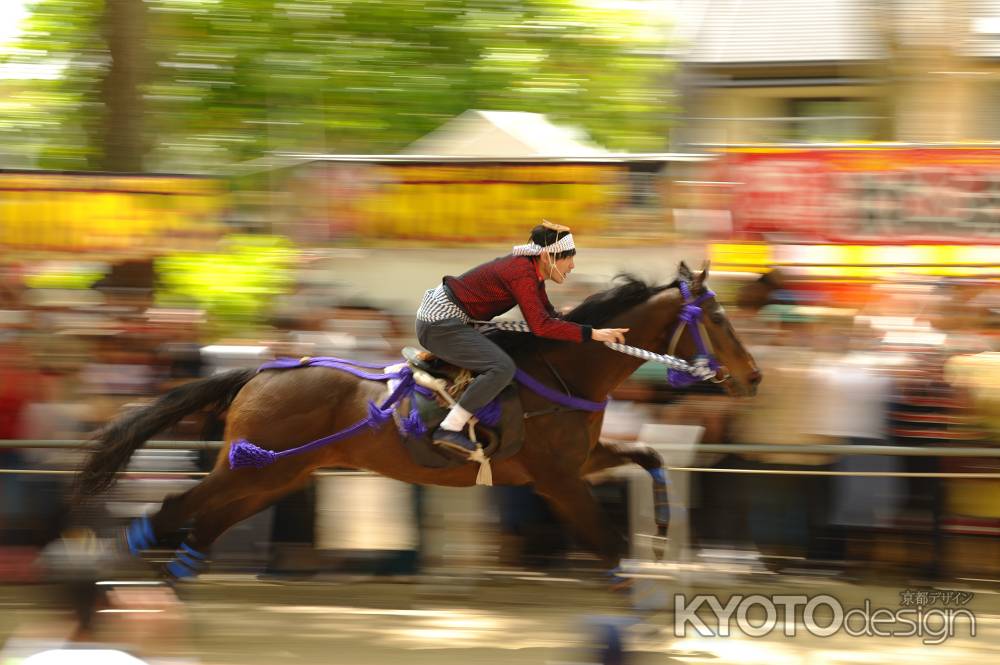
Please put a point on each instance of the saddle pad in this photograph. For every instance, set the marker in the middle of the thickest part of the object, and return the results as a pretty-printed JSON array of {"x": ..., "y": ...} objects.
[{"x": 423, "y": 451}]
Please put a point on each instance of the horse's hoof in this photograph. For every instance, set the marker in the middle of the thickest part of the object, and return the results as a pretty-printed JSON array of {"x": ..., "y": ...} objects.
[
  {"x": 621, "y": 584},
  {"x": 168, "y": 574},
  {"x": 187, "y": 563},
  {"x": 618, "y": 583}
]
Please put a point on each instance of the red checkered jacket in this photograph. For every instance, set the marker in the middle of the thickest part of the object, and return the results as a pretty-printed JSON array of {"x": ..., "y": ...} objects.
[{"x": 495, "y": 287}]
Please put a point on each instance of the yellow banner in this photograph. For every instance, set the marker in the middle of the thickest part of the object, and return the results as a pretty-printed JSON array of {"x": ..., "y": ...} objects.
[
  {"x": 859, "y": 261},
  {"x": 487, "y": 203},
  {"x": 97, "y": 212}
]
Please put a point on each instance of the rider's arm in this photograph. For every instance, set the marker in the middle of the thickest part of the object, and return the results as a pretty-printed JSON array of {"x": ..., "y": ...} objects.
[
  {"x": 538, "y": 311},
  {"x": 549, "y": 308}
]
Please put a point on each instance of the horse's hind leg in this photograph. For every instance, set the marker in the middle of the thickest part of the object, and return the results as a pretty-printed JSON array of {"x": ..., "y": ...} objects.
[
  {"x": 174, "y": 513},
  {"x": 222, "y": 486},
  {"x": 214, "y": 518}
]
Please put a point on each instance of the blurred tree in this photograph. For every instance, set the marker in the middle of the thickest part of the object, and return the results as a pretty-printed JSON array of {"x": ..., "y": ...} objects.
[
  {"x": 121, "y": 137},
  {"x": 234, "y": 79}
]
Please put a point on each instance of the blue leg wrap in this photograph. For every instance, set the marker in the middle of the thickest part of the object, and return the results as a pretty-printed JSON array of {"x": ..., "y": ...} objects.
[
  {"x": 659, "y": 476},
  {"x": 139, "y": 535},
  {"x": 661, "y": 513},
  {"x": 179, "y": 570},
  {"x": 614, "y": 577},
  {"x": 187, "y": 562}
]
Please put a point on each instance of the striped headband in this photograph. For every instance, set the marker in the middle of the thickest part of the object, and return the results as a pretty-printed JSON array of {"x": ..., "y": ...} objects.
[{"x": 564, "y": 244}]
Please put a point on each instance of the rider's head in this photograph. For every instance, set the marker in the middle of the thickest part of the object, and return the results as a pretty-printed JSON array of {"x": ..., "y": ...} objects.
[{"x": 556, "y": 250}]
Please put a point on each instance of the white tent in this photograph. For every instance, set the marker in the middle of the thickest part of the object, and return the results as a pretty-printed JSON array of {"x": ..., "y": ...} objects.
[{"x": 504, "y": 134}]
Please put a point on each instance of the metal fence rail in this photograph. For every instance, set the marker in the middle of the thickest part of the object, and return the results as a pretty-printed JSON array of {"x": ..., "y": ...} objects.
[
  {"x": 902, "y": 451},
  {"x": 64, "y": 444},
  {"x": 827, "y": 449}
]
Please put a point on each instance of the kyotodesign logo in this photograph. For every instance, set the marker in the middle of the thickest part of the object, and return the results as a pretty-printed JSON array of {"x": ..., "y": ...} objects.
[{"x": 823, "y": 615}]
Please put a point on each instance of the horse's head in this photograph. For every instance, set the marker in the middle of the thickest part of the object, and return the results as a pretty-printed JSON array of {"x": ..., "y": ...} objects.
[{"x": 735, "y": 367}]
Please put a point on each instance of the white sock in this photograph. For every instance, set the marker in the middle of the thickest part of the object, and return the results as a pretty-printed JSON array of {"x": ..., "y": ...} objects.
[{"x": 456, "y": 419}]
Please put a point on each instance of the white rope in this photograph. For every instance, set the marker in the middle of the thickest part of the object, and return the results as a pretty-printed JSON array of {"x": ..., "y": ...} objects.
[
  {"x": 699, "y": 368},
  {"x": 485, "y": 474}
]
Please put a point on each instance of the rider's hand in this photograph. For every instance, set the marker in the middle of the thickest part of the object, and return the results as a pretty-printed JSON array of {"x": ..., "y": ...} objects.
[{"x": 609, "y": 335}]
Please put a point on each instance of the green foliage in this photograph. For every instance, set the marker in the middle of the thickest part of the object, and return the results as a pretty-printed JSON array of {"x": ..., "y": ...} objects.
[
  {"x": 68, "y": 275},
  {"x": 235, "y": 79},
  {"x": 235, "y": 287}
]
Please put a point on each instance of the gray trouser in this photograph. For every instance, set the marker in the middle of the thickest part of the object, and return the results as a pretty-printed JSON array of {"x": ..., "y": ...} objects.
[{"x": 460, "y": 344}]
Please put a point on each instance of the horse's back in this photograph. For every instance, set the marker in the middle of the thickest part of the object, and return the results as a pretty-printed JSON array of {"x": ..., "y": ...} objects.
[{"x": 280, "y": 409}]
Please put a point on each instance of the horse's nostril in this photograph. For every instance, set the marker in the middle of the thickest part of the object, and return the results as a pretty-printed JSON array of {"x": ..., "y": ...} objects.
[{"x": 755, "y": 377}]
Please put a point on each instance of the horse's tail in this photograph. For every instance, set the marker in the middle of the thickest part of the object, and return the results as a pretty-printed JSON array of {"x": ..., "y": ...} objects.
[{"x": 117, "y": 440}]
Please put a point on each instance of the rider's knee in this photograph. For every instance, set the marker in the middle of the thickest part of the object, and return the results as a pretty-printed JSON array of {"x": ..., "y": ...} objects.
[{"x": 506, "y": 369}]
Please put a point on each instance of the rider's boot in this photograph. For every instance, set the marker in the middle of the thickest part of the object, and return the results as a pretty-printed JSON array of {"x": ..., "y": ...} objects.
[{"x": 454, "y": 441}]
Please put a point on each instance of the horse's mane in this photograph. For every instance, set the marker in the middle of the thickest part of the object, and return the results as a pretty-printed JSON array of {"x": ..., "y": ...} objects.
[
  {"x": 596, "y": 310},
  {"x": 603, "y": 306}
]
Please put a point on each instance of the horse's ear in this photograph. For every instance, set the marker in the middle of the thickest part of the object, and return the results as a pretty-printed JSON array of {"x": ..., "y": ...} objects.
[
  {"x": 684, "y": 273},
  {"x": 703, "y": 277}
]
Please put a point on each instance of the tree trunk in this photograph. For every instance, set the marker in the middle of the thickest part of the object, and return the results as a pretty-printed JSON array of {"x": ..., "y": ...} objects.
[{"x": 123, "y": 145}]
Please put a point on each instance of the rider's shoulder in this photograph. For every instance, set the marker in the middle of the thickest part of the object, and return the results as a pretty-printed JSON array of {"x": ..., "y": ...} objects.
[{"x": 516, "y": 262}]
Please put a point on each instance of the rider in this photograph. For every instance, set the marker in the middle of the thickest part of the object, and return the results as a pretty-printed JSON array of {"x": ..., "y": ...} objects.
[{"x": 443, "y": 320}]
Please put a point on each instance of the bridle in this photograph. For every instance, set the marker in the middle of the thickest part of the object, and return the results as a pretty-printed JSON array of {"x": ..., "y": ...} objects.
[{"x": 690, "y": 318}]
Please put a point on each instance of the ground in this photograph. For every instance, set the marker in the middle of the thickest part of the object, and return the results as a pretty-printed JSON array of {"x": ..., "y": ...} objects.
[{"x": 510, "y": 618}]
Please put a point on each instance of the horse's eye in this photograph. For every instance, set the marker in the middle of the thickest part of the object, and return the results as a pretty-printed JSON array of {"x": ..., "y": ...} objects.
[{"x": 717, "y": 318}]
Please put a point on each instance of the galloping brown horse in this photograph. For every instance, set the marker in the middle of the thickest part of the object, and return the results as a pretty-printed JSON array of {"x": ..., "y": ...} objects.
[{"x": 283, "y": 409}]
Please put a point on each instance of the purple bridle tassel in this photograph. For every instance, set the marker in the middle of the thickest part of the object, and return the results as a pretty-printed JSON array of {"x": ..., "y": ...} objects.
[
  {"x": 690, "y": 313},
  {"x": 679, "y": 379},
  {"x": 243, "y": 454}
]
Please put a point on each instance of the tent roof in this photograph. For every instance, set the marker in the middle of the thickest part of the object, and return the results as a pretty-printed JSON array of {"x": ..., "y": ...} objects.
[{"x": 504, "y": 134}]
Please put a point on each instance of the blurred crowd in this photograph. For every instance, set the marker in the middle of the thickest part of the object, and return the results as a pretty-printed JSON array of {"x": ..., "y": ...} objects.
[
  {"x": 906, "y": 362},
  {"x": 71, "y": 359}
]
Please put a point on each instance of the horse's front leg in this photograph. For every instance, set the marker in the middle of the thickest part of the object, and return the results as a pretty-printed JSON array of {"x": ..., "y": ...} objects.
[
  {"x": 573, "y": 501},
  {"x": 555, "y": 454},
  {"x": 608, "y": 454}
]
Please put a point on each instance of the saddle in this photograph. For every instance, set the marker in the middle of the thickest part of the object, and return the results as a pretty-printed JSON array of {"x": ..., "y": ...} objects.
[{"x": 500, "y": 440}]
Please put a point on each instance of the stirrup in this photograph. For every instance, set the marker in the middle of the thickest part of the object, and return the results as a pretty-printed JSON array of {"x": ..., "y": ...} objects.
[{"x": 456, "y": 446}]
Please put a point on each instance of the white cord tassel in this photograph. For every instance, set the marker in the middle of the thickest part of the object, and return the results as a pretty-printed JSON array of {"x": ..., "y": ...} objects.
[{"x": 485, "y": 475}]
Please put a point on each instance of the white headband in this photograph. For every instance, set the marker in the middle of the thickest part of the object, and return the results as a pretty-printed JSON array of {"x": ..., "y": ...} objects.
[{"x": 564, "y": 244}]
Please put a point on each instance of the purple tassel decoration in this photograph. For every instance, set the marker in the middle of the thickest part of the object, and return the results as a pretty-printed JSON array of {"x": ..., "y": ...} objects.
[
  {"x": 413, "y": 425},
  {"x": 377, "y": 416},
  {"x": 243, "y": 454}
]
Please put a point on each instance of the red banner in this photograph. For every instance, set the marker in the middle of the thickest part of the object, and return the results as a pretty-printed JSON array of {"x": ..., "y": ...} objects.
[{"x": 859, "y": 195}]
